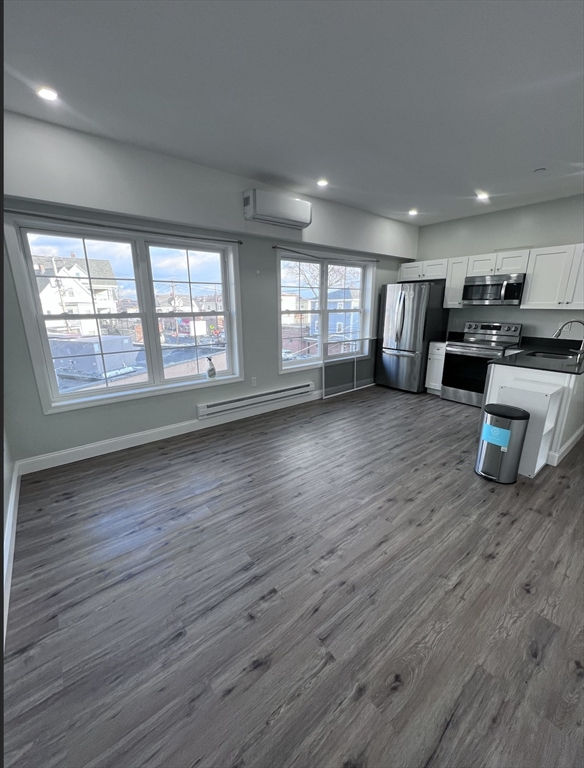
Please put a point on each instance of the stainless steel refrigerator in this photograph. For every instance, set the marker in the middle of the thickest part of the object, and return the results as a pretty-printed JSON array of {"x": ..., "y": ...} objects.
[{"x": 411, "y": 316}]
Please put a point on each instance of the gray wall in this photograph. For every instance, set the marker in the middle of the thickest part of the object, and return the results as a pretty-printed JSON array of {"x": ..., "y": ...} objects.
[
  {"x": 49, "y": 163},
  {"x": 558, "y": 222},
  {"x": 8, "y": 471},
  {"x": 57, "y": 165},
  {"x": 32, "y": 433}
]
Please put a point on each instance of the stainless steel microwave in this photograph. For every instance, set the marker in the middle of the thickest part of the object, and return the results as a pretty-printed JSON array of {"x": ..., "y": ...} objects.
[{"x": 493, "y": 289}]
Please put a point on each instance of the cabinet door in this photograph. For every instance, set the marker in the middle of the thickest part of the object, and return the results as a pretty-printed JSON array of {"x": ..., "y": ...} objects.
[
  {"x": 455, "y": 282},
  {"x": 437, "y": 348},
  {"x": 411, "y": 271},
  {"x": 435, "y": 269},
  {"x": 511, "y": 262},
  {"x": 575, "y": 290},
  {"x": 547, "y": 276},
  {"x": 434, "y": 372},
  {"x": 483, "y": 264}
]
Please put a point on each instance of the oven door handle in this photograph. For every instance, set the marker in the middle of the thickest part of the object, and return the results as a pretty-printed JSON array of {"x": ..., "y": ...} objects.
[
  {"x": 503, "y": 289},
  {"x": 471, "y": 353}
]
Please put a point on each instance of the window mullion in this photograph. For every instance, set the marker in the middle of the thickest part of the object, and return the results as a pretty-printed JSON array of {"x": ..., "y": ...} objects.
[
  {"x": 150, "y": 333},
  {"x": 225, "y": 292}
]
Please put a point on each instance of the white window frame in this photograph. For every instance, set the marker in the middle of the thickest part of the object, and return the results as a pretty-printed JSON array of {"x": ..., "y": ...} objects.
[
  {"x": 52, "y": 400},
  {"x": 323, "y": 312}
]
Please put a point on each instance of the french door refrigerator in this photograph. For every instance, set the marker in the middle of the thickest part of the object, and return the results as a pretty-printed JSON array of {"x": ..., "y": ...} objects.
[{"x": 411, "y": 316}]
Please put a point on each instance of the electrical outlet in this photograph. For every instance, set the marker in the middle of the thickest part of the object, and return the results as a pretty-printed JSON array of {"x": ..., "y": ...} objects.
[{"x": 254, "y": 381}]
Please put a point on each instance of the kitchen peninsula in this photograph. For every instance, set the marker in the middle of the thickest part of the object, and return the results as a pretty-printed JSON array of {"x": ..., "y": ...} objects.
[{"x": 547, "y": 379}]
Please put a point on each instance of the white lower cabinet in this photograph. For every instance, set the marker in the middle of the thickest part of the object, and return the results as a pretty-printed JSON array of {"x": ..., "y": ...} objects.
[{"x": 435, "y": 367}]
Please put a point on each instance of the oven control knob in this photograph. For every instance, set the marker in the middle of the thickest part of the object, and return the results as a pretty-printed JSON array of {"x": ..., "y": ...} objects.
[
  {"x": 515, "y": 328},
  {"x": 475, "y": 326},
  {"x": 507, "y": 327}
]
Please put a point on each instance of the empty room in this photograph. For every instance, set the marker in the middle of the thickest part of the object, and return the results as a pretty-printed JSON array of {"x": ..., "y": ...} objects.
[{"x": 293, "y": 384}]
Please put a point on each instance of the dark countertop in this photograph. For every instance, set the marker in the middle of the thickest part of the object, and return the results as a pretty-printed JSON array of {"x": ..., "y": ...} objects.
[{"x": 531, "y": 344}]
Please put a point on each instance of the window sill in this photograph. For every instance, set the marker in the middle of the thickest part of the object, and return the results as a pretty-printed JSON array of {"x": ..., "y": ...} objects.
[
  {"x": 304, "y": 367},
  {"x": 149, "y": 391},
  {"x": 318, "y": 364}
]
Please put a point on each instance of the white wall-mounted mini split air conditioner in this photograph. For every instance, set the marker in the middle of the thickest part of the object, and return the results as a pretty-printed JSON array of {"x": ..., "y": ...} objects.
[{"x": 276, "y": 208}]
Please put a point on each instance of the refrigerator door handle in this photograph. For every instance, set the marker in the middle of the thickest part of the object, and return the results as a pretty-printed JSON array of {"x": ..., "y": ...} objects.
[
  {"x": 403, "y": 316},
  {"x": 396, "y": 312},
  {"x": 399, "y": 353}
]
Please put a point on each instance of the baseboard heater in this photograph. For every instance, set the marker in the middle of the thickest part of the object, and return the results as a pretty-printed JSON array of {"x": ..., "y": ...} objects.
[{"x": 239, "y": 403}]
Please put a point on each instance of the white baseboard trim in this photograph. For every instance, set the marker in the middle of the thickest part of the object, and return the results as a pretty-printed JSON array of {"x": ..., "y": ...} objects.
[
  {"x": 9, "y": 541},
  {"x": 554, "y": 457},
  {"x": 69, "y": 455}
]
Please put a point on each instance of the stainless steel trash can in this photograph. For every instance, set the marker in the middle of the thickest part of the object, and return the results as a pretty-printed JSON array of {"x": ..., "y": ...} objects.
[{"x": 502, "y": 435}]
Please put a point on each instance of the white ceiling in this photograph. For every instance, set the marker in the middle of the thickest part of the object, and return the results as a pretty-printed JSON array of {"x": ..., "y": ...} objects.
[{"x": 399, "y": 104}]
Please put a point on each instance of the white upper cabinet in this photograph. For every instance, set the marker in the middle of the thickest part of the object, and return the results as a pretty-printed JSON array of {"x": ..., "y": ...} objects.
[
  {"x": 554, "y": 276},
  {"x": 434, "y": 269},
  {"x": 547, "y": 277},
  {"x": 483, "y": 264},
  {"x": 410, "y": 271},
  {"x": 574, "y": 298},
  {"x": 455, "y": 282},
  {"x": 511, "y": 262}
]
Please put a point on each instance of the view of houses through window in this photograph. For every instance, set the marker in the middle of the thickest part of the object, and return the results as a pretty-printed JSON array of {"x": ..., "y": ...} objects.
[
  {"x": 321, "y": 310},
  {"x": 96, "y": 324},
  {"x": 189, "y": 305}
]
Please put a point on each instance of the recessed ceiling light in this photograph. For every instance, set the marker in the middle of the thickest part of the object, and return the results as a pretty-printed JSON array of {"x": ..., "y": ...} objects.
[
  {"x": 322, "y": 183},
  {"x": 47, "y": 93},
  {"x": 413, "y": 212},
  {"x": 482, "y": 196}
]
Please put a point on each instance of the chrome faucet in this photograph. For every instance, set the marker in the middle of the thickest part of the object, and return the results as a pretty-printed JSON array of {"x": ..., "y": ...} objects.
[{"x": 558, "y": 333}]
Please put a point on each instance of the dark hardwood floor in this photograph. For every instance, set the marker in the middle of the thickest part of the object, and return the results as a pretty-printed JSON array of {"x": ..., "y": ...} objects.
[{"x": 326, "y": 586}]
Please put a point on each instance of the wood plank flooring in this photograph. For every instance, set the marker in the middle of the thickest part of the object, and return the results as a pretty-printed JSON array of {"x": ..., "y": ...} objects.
[{"x": 326, "y": 586}]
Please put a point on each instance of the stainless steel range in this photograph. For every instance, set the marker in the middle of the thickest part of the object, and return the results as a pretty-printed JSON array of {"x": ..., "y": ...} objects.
[{"x": 466, "y": 361}]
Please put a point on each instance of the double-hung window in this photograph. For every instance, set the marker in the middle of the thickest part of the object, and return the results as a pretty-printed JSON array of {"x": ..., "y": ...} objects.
[
  {"x": 325, "y": 310},
  {"x": 113, "y": 314}
]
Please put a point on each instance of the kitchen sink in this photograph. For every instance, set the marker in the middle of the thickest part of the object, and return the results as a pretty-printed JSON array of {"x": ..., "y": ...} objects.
[{"x": 551, "y": 355}]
